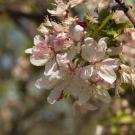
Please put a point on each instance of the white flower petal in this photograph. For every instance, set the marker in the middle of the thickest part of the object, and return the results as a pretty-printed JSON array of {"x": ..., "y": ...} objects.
[
  {"x": 110, "y": 63},
  {"x": 53, "y": 96},
  {"x": 43, "y": 29},
  {"x": 28, "y": 51},
  {"x": 48, "y": 82},
  {"x": 86, "y": 72},
  {"x": 126, "y": 74},
  {"x": 38, "y": 61},
  {"x": 74, "y": 3},
  {"x": 126, "y": 78},
  {"x": 58, "y": 28},
  {"x": 102, "y": 46},
  {"x": 88, "y": 50},
  {"x": 76, "y": 85},
  {"x": 73, "y": 51},
  {"x": 107, "y": 74},
  {"x": 93, "y": 52},
  {"x": 76, "y": 32},
  {"x": 41, "y": 55},
  {"x": 45, "y": 83},
  {"x": 56, "y": 92},
  {"x": 133, "y": 35},
  {"x": 89, "y": 40},
  {"x": 53, "y": 12},
  {"x": 114, "y": 50},
  {"x": 50, "y": 67},
  {"x": 38, "y": 39},
  {"x": 61, "y": 8},
  {"x": 52, "y": 76},
  {"x": 62, "y": 60}
]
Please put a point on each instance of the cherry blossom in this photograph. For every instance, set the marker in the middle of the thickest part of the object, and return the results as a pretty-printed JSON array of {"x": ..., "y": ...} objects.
[
  {"x": 95, "y": 53},
  {"x": 77, "y": 63}
]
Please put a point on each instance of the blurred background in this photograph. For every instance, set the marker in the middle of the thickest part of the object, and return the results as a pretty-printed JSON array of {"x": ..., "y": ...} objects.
[{"x": 23, "y": 108}]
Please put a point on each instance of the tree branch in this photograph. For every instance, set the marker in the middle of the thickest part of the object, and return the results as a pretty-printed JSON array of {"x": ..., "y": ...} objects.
[
  {"x": 37, "y": 16},
  {"x": 127, "y": 10},
  {"x": 15, "y": 14}
]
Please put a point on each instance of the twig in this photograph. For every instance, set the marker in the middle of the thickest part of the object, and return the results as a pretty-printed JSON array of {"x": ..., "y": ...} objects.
[{"x": 127, "y": 10}]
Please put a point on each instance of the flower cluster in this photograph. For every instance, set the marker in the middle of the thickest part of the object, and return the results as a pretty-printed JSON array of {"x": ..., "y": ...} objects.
[{"x": 76, "y": 63}]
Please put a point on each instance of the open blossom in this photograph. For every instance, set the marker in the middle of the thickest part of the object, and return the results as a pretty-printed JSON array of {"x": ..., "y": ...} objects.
[
  {"x": 41, "y": 53},
  {"x": 93, "y": 51},
  {"x": 45, "y": 46},
  {"x": 60, "y": 9},
  {"x": 128, "y": 48},
  {"x": 120, "y": 16},
  {"x": 103, "y": 67}
]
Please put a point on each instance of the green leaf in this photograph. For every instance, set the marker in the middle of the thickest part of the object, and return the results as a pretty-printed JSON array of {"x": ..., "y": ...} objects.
[
  {"x": 106, "y": 27},
  {"x": 111, "y": 33},
  {"x": 103, "y": 14}
]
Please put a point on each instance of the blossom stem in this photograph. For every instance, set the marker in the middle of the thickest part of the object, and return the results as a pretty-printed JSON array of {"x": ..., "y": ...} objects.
[{"x": 105, "y": 22}]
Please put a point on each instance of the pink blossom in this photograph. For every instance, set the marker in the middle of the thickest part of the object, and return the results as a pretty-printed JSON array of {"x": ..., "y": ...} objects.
[
  {"x": 41, "y": 53},
  {"x": 76, "y": 32}
]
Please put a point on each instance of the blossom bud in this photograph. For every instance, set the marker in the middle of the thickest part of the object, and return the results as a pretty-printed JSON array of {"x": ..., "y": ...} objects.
[
  {"x": 76, "y": 32},
  {"x": 81, "y": 23}
]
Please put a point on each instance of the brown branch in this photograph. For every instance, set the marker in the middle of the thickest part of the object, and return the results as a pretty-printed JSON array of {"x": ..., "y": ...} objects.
[
  {"x": 127, "y": 10},
  {"x": 36, "y": 16},
  {"x": 16, "y": 15}
]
